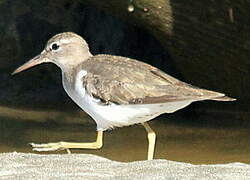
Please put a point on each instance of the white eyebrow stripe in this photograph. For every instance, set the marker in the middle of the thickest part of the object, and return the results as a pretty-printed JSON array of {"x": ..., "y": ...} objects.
[{"x": 64, "y": 41}]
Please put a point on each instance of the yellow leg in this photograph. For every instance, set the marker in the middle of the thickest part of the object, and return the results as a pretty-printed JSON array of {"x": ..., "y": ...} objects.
[
  {"x": 69, "y": 145},
  {"x": 151, "y": 140}
]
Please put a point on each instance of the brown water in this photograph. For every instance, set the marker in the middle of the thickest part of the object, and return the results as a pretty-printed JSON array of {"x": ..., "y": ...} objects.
[{"x": 203, "y": 142}]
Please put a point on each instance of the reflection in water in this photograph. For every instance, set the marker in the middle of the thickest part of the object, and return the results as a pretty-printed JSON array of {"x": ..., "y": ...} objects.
[{"x": 199, "y": 143}]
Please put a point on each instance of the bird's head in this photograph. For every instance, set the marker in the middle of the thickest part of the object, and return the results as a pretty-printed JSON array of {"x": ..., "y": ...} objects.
[{"x": 65, "y": 50}]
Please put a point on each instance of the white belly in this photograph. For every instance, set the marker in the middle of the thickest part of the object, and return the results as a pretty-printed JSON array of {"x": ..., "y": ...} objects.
[
  {"x": 113, "y": 115},
  {"x": 109, "y": 116}
]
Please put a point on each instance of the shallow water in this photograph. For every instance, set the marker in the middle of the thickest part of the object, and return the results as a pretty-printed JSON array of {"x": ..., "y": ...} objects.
[{"x": 204, "y": 141}]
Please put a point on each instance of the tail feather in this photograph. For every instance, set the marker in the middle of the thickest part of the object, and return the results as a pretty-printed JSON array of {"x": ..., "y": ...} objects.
[
  {"x": 223, "y": 98},
  {"x": 216, "y": 96}
]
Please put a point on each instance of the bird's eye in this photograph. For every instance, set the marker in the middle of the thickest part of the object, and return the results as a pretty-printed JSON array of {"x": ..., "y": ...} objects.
[{"x": 54, "y": 46}]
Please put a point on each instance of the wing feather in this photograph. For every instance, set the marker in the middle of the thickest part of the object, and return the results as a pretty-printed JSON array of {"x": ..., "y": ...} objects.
[{"x": 126, "y": 81}]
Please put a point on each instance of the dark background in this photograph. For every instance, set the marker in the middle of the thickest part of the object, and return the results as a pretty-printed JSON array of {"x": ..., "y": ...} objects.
[
  {"x": 27, "y": 25},
  {"x": 25, "y": 28}
]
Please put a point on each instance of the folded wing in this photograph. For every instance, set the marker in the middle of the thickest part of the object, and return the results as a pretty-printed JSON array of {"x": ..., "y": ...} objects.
[{"x": 122, "y": 80}]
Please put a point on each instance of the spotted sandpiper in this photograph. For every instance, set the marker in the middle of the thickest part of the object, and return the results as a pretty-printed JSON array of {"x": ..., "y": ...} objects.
[{"x": 115, "y": 91}]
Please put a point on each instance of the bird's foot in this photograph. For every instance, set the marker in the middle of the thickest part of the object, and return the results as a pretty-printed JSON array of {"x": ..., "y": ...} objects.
[{"x": 58, "y": 146}]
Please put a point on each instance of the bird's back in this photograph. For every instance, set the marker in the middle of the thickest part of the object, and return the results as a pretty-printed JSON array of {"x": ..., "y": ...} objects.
[{"x": 127, "y": 81}]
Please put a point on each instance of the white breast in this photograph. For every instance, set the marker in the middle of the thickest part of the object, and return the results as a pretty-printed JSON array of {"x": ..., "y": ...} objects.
[{"x": 113, "y": 115}]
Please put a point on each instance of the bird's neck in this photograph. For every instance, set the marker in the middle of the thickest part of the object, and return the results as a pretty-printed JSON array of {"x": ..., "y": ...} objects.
[{"x": 71, "y": 64}]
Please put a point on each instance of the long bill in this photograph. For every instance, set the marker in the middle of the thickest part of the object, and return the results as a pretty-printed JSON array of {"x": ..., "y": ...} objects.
[{"x": 34, "y": 61}]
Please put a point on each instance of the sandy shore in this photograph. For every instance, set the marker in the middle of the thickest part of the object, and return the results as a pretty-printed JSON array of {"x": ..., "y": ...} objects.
[{"x": 86, "y": 166}]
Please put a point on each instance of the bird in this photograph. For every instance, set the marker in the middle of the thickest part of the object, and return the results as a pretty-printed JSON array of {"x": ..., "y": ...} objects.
[{"x": 114, "y": 91}]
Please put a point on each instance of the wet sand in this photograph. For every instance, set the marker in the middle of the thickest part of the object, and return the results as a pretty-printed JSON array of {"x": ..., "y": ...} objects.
[{"x": 203, "y": 141}]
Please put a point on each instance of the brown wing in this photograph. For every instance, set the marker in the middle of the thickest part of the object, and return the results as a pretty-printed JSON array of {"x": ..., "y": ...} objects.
[{"x": 126, "y": 81}]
